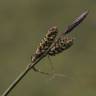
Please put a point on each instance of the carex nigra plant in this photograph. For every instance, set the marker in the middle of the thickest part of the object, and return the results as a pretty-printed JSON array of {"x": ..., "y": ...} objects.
[{"x": 49, "y": 45}]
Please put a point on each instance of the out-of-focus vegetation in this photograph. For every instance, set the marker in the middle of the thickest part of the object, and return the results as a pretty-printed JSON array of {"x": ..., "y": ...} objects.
[{"x": 23, "y": 23}]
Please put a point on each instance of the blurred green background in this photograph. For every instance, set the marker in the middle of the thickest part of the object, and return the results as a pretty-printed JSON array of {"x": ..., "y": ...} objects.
[{"x": 22, "y": 25}]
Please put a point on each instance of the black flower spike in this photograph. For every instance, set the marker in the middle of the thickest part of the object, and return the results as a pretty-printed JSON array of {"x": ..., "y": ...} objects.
[
  {"x": 62, "y": 44},
  {"x": 45, "y": 43}
]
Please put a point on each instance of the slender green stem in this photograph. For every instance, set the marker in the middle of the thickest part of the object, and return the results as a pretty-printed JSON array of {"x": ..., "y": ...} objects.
[
  {"x": 23, "y": 73},
  {"x": 20, "y": 77},
  {"x": 16, "y": 81}
]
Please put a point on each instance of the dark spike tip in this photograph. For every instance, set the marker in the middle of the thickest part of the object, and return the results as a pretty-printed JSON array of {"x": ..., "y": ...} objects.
[{"x": 76, "y": 22}]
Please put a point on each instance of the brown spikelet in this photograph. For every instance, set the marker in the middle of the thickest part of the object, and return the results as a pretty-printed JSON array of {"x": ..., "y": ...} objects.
[
  {"x": 61, "y": 44},
  {"x": 76, "y": 22},
  {"x": 45, "y": 43}
]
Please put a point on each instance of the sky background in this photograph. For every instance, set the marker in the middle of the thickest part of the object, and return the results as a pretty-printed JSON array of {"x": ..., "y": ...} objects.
[{"x": 22, "y": 25}]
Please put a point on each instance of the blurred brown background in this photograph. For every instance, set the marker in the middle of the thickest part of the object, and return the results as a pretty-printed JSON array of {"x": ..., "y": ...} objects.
[{"x": 22, "y": 25}]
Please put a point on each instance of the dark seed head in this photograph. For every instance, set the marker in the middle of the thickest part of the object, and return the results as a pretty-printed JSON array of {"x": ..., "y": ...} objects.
[
  {"x": 61, "y": 45},
  {"x": 45, "y": 43}
]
